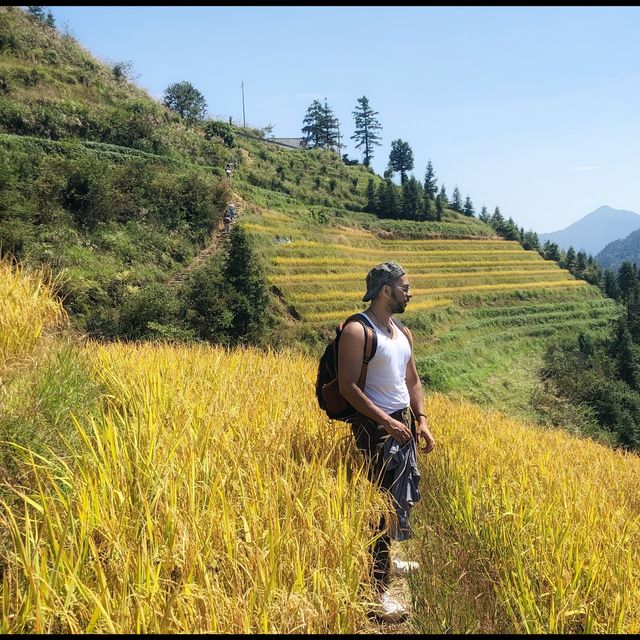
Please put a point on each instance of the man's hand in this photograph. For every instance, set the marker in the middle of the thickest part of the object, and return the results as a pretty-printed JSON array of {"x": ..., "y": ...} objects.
[
  {"x": 397, "y": 430},
  {"x": 422, "y": 432}
]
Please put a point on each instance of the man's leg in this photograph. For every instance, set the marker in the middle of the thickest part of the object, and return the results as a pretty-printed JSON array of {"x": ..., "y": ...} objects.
[{"x": 370, "y": 439}]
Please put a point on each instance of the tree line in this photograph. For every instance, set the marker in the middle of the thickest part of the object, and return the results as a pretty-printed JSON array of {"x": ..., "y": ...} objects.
[{"x": 600, "y": 376}]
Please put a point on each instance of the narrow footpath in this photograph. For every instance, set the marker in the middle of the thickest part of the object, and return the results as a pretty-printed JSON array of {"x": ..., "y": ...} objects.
[{"x": 217, "y": 238}]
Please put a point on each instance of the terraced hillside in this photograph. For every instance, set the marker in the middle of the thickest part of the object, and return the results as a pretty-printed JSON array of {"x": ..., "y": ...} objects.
[
  {"x": 483, "y": 309},
  {"x": 105, "y": 184}
]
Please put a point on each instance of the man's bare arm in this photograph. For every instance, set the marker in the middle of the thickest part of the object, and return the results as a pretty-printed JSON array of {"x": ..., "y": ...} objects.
[{"x": 416, "y": 397}]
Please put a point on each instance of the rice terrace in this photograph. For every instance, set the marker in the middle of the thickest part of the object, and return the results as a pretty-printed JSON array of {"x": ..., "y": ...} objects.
[{"x": 165, "y": 465}]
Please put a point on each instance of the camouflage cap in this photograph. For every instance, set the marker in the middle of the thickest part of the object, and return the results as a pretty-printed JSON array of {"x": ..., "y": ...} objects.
[{"x": 381, "y": 274}]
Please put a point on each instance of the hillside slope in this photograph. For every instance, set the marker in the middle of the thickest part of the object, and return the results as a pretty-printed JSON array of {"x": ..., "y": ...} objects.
[
  {"x": 619, "y": 251},
  {"x": 117, "y": 193},
  {"x": 171, "y": 505},
  {"x": 483, "y": 309}
]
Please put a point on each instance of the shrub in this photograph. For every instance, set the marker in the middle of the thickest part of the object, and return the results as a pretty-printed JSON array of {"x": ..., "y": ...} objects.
[
  {"x": 221, "y": 130},
  {"x": 149, "y": 312}
]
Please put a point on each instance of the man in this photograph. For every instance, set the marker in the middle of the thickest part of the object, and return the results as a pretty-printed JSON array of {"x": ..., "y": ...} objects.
[{"x": 391, "y": 407}]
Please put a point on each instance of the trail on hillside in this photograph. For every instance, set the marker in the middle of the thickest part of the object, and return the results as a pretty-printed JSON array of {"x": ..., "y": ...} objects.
[{"x": 218, "y": 236}]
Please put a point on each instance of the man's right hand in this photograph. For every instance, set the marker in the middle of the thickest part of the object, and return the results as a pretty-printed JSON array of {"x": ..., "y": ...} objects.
[{"x": 397, "y": 430}]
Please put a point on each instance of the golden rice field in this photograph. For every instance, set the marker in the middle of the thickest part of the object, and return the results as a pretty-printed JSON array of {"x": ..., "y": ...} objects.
[
  {"x": 202, "y": 499},
  {"x": 311, "y": 283},
  {"x": 318, "y": 273},
  {"x": 26, "y": 308},
  {"x": 324, "y": 282},
  {"x": 548, "y": 527}
]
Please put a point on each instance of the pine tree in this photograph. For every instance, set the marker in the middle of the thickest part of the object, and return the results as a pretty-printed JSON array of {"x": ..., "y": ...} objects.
[
  {"x": 330, "y": 128},
  {"x": 468, "y": 208},
  {"x": 441, "y": 203},
  {"x": 367, "y": 126},
  {"x": 509, "y": 230},
  {"x": 443, "y": 195},
  {"x": 570, "y": 260},
  {"x": 382, "y": 206},
  {"x": 626, "y": 355},
  {"x": 392, "y": 200},
  {"x": 456, "y": 200},
  {"x": 551, "y": 251},
  {"x": 428, "y": 206},
  {"x": 633, "y": 313},
  {"x": 312, "y": 131},
  {"x": 400, "y": 158},
  {"x": 410, "y": 199},
  {"x": 430, "y": 185},
  {"x": 246, "y": 289},
  {"x": 497, "y": 220},
  {"x": 627, "y": 279},
  {"x": 610, "y": 285},
  {"x": 372, "y": 205},
  {"x": 484, "y": 214},
  {"x": 530, "y": 240},
  {"x": 581, "y": 262}
]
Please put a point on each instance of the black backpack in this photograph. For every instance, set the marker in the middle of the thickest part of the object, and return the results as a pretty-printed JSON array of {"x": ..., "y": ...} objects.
[{"x": 327, "y": 388}]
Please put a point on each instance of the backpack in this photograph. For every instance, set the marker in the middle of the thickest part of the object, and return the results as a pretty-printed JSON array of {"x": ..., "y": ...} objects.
[{"x": 327, "y": 388}]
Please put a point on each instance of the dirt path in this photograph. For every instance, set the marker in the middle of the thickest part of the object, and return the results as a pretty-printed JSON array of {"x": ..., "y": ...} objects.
[
  {"x": 399, "y": 589},
  {"x": 217, "y": 238}
]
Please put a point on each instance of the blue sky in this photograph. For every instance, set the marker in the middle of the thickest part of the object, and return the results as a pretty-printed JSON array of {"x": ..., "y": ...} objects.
[{"x": 533, "y": 109}]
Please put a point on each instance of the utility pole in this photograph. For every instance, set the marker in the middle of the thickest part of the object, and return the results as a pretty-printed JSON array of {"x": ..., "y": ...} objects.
[{"x": 244, "y": 124}]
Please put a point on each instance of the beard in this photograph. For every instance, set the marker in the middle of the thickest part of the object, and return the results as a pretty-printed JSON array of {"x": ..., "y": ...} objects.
[{"x": 398, "y": 306}]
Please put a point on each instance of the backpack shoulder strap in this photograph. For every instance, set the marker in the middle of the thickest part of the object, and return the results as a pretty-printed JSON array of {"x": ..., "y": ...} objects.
[{"x": 370, "y": 344}]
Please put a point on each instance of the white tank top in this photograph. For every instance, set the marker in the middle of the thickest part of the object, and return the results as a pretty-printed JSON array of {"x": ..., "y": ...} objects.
[{"x": 386, "y": 384}]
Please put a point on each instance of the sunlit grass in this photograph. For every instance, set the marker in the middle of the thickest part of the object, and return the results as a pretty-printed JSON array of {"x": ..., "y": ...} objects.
[
  {"x": 26, "y": 308},
  {"x": 202, "y": 499},
  {"x": 550, "y": 524}
]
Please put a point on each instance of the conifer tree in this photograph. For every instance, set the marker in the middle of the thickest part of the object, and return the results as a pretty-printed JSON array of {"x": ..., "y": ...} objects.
[
  {"x": 530, "y": 240},
  {"x": 330, "y": 128},
  {"x": 428, "y": 206},
  {"x": 627, "y": 278},
  {"x": 391, "y": 199},
  {"x": 400, "y": 158},
  {"x": 246, "y": 289},
  {"x": 468, "y": 208},
  {"x": 371, "y": 205},
  {"x": 570, "y": 259},
  {"x": 610, "y": 284},
  {"x": 497, "y": 220},
  {"x": 551, "y": 251},
  {"x": 456, "y": 200},
  {"x": 443, "y": 195},
  {"x": 581, "y": 262},
  {"x": 312, "y": 131},
  {"x": 430, "y": 186},
  {"x": 367, "y": 128},
  {"x": 410, "y": 199},
  {"x": 484, "y": 214},
  {"x": 441, "y": 203},
  {"x": 626, "y": 355}
]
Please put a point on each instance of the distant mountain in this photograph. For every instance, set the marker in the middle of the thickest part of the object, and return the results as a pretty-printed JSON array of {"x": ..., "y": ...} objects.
[
  {"x": 597, "y": 229},
  {"x": 616, "y": 252}
]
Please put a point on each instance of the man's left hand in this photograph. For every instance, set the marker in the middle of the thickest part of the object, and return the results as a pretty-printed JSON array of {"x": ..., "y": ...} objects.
[{"x": 422, "y": 432}]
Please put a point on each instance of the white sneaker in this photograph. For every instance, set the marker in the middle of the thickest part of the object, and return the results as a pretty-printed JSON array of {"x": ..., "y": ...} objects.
[
  {"x": 390, "y": 610},
  {"x": 403, "y": 567}
]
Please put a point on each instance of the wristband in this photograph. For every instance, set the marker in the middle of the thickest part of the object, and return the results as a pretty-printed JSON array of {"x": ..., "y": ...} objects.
[{"x": 424, "y": 415}]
